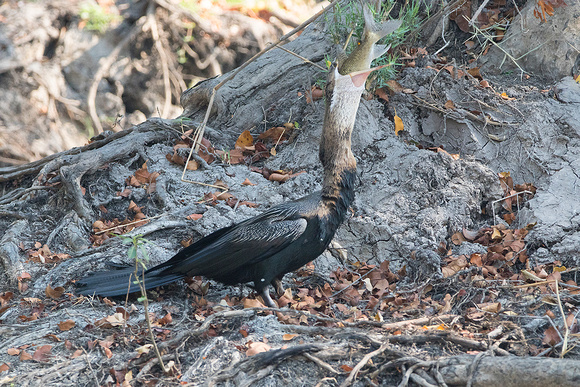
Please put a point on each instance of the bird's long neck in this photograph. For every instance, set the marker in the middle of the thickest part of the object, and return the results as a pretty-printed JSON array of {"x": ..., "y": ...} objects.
[{"x": 342, "y": 101}]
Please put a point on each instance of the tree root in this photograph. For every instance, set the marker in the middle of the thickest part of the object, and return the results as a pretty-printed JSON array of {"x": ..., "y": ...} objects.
[{"x": 72, "y": 165}]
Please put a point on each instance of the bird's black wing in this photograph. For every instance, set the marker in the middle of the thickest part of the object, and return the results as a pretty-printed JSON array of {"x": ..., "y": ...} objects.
[{"x": 246, "y": 243}]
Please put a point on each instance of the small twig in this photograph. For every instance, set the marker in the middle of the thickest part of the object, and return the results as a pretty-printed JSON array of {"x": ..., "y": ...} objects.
[
  {"x": 301, "y": 57},
  {"x": 362, "y": 363},
  {"x": 566, "y": 329},
  {"x": 411, "y": 369},
  {"x": 476, "y": 14},
  {"x": 91, "y": 367},
  {"x": 321, "y": 363},
  {"x": 354, "y": 282},
  {"x": 418, "y": 321},
  {"x": 128, "y": 224}
]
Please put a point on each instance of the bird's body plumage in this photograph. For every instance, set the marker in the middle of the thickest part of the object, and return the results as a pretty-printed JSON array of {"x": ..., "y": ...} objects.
[{"x": 284, "y": 238}]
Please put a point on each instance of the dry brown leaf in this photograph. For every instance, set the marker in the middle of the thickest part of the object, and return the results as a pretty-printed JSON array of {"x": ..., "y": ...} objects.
[
  {"x": 457, "y": 238},
  {"x": 506, "y": 97},
  {"x": 257, "y": 347},
  {"x": 4, "y": 367},
  {"x": 55, "y": 293},
  {"x": 395, "y": 86},
  {"x": 167, "y": 319},
  {"x": 247, "y": 182},
  {"x": 66, "y": 325},
  {"x": 492, "y": 307},
  {"x": 449, "y": 104},
  {"x": 551, "y": 337},
  {"x": 25, "y": 356},
  {"x": 5, "y": 297},
  {"x": 317, "y": 93},
  {"x": 194, "y": 216},
  {"x": 399, "y": 126},
  {"x": 252, "y": 303},
  {"x": 289, "y": 336},
  {"x": 274, "y": 134},
  {"x": 382, "y": 94},
  {"x": 42, "y": 354},
  {"x": 245, "y": 139},
  {"x": 77, "y": 353},
  {"x": 13, "y": 351},
  {"x": 462, "y": 15}
]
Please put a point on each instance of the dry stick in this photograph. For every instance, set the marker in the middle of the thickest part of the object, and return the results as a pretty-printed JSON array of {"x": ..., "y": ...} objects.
[
  {"x": 476, "y": 14},
  {"x": 201, "y": 129},
  {"x": 362, "y": 363},
  {"x": 301, "y": 57},
  {"x": 128, "y": 224},
  {"x": 514, "y": 60},
  {"x": 320, "y": 362},
  {"x": 418, "y": 321},
  {"x": 152, "y": 23},
  {"x": 141, "y": 283},
  {"x": 105, "y": 65},
  {"x": 566, "y": 330}
]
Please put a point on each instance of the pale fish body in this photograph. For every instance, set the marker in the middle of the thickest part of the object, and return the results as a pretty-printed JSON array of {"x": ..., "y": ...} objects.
[{"x": 367, "y": 50}]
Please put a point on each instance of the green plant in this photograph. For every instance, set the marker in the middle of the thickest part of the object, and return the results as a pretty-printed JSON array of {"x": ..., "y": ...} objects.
[
  {"x": 138, "y": 243},
  {"x": 96, "y": 17}
]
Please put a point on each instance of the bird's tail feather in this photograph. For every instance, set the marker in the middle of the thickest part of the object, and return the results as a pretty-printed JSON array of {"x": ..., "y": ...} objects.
[{"x": 120, "y": 282}]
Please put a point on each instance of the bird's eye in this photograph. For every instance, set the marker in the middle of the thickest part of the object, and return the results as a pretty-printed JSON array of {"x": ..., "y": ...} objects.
[{"x": 358, "y": 43}]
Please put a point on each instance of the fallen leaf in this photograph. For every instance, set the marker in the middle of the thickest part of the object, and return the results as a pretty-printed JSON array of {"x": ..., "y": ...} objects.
[
  {"x": 399, "y": 126},
  {"x": 77, "y": 353},
  {"x": 144, "y": 349},
  {"x": 194, "y": 216},
  {"x": 252, "y": 303},
  {"x": 462, "y": 15},
  {"x": 42, "y": 354},
  {"x": 317, "y": 93},
  {"x": 247, "y": 182},
  {"x": 395, "y": 86},
  {"x": 66, "y": 325},
  {"x": 449, "y": 104},
  {"x": 346, "y": 368},
  {"x": 5, "y": 297},
  {"x": 551, "y": 337},
  {"x": 506, "y": 97},
  {"x": 4, "y": 367},
  {"x": 474, "y": 72},
  {"x": 382, "y": 94},
  {"x": 167, "y": 319},
  {"x": 55, "y": 293},
  {"x": 24, "y": 356},
  {"x": 289, "y": 336},
  {"x": 257, "y": 347},
  {"x": 274, "y": 134},
  {"x": 13, "y": 351},
  {"x": 245, "y": 139}
]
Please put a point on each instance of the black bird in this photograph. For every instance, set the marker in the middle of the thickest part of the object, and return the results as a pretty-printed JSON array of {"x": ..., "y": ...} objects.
[{"x": 284, "y": 238}]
